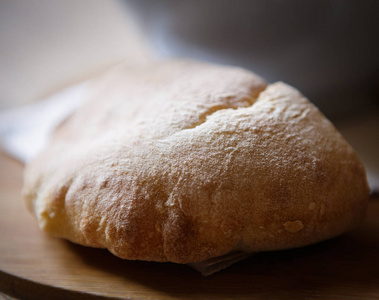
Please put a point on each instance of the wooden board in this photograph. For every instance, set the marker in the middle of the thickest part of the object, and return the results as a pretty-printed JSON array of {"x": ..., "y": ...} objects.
[{"x": 34, "y": 266}]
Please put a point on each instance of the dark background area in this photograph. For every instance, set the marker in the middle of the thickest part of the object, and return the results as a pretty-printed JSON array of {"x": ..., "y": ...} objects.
[{"x": 329, "y": 50}]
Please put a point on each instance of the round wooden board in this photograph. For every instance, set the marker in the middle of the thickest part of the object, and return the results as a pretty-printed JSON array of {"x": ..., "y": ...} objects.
[{"x": 34, "y": 266}]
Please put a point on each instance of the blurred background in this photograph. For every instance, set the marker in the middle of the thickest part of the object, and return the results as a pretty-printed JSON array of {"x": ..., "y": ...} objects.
[
  {"x": 48, "y": 45},
  {"x": 329, "y": 50},
  {"x": 326, "y": 48}
]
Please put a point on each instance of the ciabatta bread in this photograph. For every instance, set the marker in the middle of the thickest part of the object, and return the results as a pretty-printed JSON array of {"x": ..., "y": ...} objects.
[{"x": 181, "y": 161}]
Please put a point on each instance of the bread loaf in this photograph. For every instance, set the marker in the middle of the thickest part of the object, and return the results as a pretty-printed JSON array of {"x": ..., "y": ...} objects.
[{"x": 182, "y": 161}]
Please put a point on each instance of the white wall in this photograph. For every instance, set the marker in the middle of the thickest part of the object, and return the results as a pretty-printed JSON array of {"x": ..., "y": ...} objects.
[{"x": 46, "y": 45}]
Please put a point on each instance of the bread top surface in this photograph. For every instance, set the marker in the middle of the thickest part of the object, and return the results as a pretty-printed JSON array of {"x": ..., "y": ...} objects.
[{"x": 182, "y": 161}]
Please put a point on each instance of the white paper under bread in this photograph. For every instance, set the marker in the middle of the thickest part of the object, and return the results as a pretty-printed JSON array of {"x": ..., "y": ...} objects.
[
  {"x": 25, "y": 131},
  {"x": 213, "y": 265}
]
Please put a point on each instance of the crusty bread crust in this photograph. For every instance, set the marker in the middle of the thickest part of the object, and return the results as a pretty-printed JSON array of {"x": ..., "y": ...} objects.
[{"x": 181, "y": 161}]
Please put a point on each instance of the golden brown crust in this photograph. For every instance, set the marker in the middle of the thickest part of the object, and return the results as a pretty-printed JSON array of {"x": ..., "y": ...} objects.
[{"x": 181, "y": 162}]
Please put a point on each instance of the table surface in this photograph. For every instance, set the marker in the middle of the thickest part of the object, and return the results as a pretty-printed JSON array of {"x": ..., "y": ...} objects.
[{"x": 34, "y": 266}]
